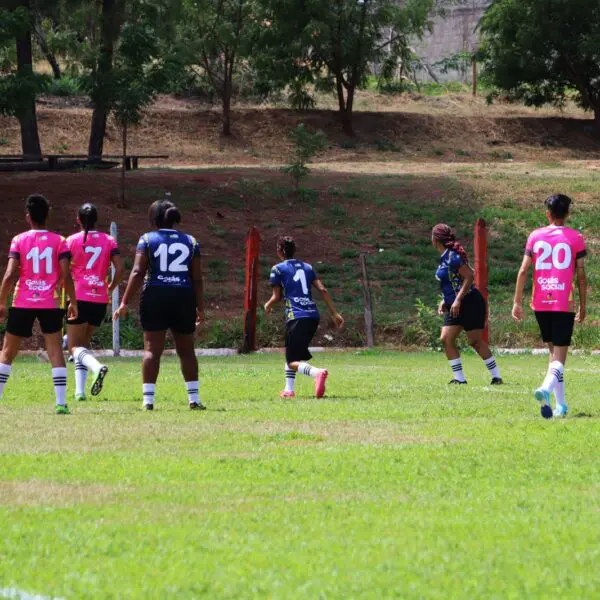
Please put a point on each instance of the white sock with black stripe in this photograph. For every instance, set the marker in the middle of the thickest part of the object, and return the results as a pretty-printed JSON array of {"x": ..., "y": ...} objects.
[
  {"x": 306, "y": 369},
  {"x": 559, "y": 390},
  {"x": 457, "y": 369},
  {"x": 4, "y": 375},
  {"x": 81, "y": 374},
  {"x": 148, "y": 390},
  {"x": 555, "y": 371},
  {"x": 59, "y": 377},
  {"x": 492, "y": 367},
  {"x": 87, "y": 359},
  {"x": 290, "y": 378},
  {"x": 193, "y": 388}
]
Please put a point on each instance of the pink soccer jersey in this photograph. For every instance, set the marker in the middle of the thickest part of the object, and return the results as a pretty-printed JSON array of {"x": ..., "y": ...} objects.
[
  {"x": 38, "y": 253},
  {"x": 554, "y": 251},
  {"x": 90, "y": 263}
]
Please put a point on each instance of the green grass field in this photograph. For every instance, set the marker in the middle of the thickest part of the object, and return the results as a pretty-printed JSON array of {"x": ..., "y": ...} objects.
[{"x": 395, "y": 485}]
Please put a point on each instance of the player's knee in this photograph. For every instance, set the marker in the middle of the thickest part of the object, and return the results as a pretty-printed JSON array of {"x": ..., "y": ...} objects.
[
  {"x": 476, "y": 344},
  {"x": 151, "y": 356}
]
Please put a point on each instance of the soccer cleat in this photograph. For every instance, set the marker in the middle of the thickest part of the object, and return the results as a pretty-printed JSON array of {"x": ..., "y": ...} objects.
[
  {"x": 197, "y": 406},
  {"x": 97, "y": 385},
  {"x": 148, "y": 406},
  {"x": 561, "y": 411},
  {"x": 62, "y": 409},
  {"x": 497, "y": 381},
  {"x": 320, "y": 382},
  {"x": 286, "y": 394},
  {"x": 80, "y": 398},
  {"x": 456, "y": 382},
  {"x": 543, "y": 397}
]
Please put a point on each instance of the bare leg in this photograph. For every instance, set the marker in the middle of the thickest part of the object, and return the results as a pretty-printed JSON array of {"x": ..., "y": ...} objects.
[
  {"x": 184, "y": 344},
  {"x": 154, "y": 344},
  {"x": 10, "y": 348},
  {"x": 478, "y": 344},
  {"x": 448, "y": 338}
]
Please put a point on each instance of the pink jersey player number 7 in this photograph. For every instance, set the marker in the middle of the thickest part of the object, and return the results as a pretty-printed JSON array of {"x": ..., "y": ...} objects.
[
  {"x": 90, "y": 263},
  {"x": 554, "y": 251}
]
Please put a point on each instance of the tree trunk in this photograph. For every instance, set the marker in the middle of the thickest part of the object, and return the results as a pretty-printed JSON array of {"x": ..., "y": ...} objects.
[
  {"x": 343, "y": 104},
  {"x": 110, "y": 31},
  {"x": 30, "y": 139},
  {"x": 597, "y": 116},
  {"x": 227, "y": 113},
  {"x": 43, "y": 44},
  {"x": 227, "y": 91}
]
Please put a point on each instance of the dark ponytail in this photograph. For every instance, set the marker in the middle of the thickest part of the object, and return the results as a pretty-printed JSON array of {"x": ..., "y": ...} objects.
[
  {"x": 286, "y": 246},
  {"x": 444, "y": 234},
  {"x": 163, "y": 214},
  {"x": 88, "y": 216}
]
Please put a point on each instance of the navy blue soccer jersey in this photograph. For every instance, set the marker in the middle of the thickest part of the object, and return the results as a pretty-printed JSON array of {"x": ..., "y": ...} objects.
[
  {"x": 296, "y": 278},
  {"x": 449, "y": 277},
  {"x": 170, "y": 254}
]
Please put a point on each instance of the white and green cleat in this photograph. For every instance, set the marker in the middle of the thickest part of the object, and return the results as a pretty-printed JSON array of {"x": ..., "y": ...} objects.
[
  {"x": 62, "y": 409},
  {"x": 80, "y": 398},
  {"x": 561, "y": 411}
]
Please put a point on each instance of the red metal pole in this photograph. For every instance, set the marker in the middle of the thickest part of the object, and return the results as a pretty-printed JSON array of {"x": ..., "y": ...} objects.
[
  {"x": 251, "y": 291},
  {"x": 481, "y": 269}
]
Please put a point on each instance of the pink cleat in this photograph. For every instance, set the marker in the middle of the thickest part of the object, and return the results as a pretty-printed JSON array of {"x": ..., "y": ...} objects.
[
  {"x": 286, "y": 394},
  {"x": 320, "y": 383}
]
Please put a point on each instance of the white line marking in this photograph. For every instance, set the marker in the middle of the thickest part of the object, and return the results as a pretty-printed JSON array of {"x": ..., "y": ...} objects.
[{"x": 17, "y": 594}]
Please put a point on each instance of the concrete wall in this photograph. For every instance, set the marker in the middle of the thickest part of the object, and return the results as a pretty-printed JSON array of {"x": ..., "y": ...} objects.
[{"x": 452, "y": 34}]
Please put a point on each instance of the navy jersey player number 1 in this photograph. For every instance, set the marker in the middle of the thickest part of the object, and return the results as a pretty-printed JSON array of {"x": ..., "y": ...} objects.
[{"x": 296, "y": 278}]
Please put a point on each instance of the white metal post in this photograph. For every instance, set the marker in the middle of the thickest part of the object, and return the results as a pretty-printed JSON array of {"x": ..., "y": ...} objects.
[{"x": 116, "y": 341}]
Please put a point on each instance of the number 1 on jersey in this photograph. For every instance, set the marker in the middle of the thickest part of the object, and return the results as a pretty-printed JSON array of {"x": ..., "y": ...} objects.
[{"x": 301, "y": 277}]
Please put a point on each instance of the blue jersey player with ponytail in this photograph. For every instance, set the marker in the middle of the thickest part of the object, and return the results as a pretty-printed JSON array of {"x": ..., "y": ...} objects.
[{"x": 292, "y": 280}]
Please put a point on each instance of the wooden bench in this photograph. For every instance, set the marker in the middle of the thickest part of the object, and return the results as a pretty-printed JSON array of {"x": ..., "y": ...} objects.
[{"x": 52, "y": 161}]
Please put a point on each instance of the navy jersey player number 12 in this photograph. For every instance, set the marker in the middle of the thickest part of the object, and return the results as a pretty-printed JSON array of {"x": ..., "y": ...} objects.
[{"x": 170, "y": 254}]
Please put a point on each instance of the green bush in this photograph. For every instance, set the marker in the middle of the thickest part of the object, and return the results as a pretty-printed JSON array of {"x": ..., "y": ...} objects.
[{"x": 65, "y": 87}]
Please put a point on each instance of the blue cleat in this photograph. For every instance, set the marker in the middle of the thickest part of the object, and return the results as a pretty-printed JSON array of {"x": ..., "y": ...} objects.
[
  {"x": 561, "y": 411},
  {"x": 543, "y": 397}
]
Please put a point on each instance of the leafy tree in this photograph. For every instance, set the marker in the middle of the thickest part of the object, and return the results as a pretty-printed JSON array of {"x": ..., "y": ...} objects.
[
  {"x": 219, "y": 35},
  {"x": 19, "y": 85},
  {"x": 334, "y": 44},
  {"x": 538, "y": 49}
]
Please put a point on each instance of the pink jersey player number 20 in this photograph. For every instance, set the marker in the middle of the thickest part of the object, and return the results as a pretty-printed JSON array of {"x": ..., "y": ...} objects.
[{"x": 554, "y": 251}]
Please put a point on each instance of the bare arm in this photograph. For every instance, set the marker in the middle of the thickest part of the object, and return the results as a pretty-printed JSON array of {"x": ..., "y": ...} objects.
[
  {"x": 136, "y": 280},
  {"x": 11, "y": 276},
  {"x": 582, "y": 287},
  {"x": 198, "y": 283},
  {"x": 67, "y": 281},
  {"x": 467, "y": 276},
  {"x": 517, "y": 311},
  {"x": 335, "y": 315},
  {"x": 119, "y": 273},
  {"x": 274, "y": 299}
]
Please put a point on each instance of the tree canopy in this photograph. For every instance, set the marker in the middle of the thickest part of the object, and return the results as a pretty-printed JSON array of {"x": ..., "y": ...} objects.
[{"x": 537, "y": 50}]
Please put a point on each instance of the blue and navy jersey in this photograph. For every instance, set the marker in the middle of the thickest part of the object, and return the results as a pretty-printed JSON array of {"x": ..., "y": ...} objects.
[
  {"x": 449, "y": 277},
  {"x": 296, "y": 278},
  {"x": 170, "y": 254}
]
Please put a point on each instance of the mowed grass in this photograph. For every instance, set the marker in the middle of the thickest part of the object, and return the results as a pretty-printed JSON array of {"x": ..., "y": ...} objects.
[{"x": 395, "y": 485}]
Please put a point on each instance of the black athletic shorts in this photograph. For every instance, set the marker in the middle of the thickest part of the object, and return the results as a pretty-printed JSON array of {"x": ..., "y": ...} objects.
[
  {"x": 298, "y": 336},
  {"x": 472, "y": 314},
  {"x": 556, "y": 327},
  {"x": 90, "y": 313},
  {"x": 21, "y": 320},
  {"x": 163, "y": 308}
]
